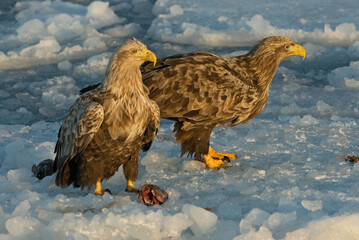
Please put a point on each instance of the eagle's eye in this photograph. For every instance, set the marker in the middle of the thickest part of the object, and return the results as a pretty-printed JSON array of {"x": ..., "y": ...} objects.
[
  {"x": 134, "y": 51},
  {"x": 288, "y": 46}
]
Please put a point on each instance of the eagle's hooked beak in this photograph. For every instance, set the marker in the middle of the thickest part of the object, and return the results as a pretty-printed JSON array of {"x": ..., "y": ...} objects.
[
  {"x": 298, "y": 50},
  {"x": 147, "y": 55}
]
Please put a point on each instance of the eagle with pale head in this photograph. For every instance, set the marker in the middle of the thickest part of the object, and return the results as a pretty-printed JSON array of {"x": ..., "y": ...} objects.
[{"x": 109, "y": 125}]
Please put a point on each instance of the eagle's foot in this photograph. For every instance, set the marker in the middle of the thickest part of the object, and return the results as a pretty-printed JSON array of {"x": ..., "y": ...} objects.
[
  {"x": 216, "y": 160},
  {"x": 131, "y": 188},
  {"x": 213, "y": 163},
  {"x": 99, "y": 190}
]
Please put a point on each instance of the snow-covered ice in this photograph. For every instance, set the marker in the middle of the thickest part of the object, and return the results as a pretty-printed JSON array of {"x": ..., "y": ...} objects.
[{"x": 288, "y": 183}]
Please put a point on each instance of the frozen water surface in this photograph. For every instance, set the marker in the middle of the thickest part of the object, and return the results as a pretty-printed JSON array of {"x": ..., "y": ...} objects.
[{"x": 288, "y": 183}]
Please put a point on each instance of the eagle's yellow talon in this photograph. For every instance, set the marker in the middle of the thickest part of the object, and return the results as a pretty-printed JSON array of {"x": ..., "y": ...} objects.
[
  {"x": 225, "y": 167},
  {"x": 131, "y": 188},
  {"x": 211, "y": 162}
]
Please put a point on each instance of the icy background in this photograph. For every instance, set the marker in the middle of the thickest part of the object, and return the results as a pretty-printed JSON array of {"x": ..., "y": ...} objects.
[{"x": 287, "y": 184}]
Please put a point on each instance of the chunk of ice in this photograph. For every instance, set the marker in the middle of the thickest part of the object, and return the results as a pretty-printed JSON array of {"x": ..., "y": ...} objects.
[
  {"x": 174, "y": 225},
  {"x": 323, "y": 106},
  {"x": 203, "y": 221},
  {"x": 280, "y": 221},
  {"x": 100, "y": 14},
  {"x": 305, "y": 121},
  {"x": 22, "y": 208},
  {"x": 262, "y": 234},
  {"x": 312, "y": 205},
  {"x": 31, "y": 31},
  {"x": 22, "y": 226},
  {"x": 176, "y": 10},
  {"x": 254, "y": 218},
  {"x": 64, "y": 65},
  {"x": 342, "y": 227}
]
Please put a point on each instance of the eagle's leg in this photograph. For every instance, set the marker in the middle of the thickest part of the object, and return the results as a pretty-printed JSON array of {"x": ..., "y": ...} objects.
[
  {"x": 130, "y": 169},
  {"x": 216, "y": 160},
  {"x": 99, "y": 190}
]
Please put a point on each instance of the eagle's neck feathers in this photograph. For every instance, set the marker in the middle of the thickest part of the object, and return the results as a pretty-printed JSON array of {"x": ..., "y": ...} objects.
[
  {"x": 125, "y": 101},
  {"x": 123, "y": 77},
  {"x": 263, "y": 65}
]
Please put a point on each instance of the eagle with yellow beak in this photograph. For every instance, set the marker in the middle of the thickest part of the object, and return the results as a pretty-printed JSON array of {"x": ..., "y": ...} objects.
[
  {"x": 200, "y": 91},
  {"x": 108, "y": 126}
]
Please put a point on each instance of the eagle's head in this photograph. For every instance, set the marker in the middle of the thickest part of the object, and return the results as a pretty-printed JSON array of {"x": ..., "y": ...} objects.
[
  {"x": 124, "y": 65},
  {"x": 278, "y": 46},
  {"x": 135, "y": 53}
]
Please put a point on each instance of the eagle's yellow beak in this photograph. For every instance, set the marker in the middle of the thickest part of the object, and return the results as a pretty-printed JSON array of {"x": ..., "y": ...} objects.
[
  {"x": 147, "y": 55},
  {"x": 298, "y": 50}
]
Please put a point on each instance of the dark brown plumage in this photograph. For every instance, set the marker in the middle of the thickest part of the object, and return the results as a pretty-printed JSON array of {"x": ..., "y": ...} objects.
[
  {"x": 107, "y": 126},
  {"x": 200, "y": 91}
]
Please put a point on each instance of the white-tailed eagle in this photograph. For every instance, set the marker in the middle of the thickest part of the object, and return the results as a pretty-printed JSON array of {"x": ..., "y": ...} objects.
[{"x": 108, "y": 126}]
